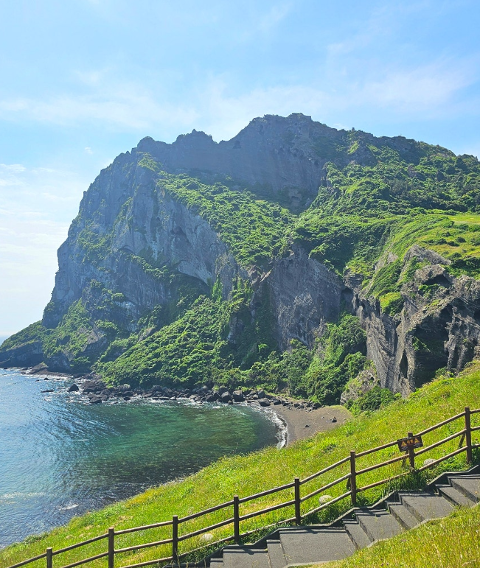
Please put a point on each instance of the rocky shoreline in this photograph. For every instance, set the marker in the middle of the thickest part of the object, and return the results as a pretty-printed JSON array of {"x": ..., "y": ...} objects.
[
  {"x": 295, "y": 419},
  {"x": 98, "y": 391}
]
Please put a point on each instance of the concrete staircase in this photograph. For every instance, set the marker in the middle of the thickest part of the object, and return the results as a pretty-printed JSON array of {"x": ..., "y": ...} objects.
[{"x": 359, "y": 528}]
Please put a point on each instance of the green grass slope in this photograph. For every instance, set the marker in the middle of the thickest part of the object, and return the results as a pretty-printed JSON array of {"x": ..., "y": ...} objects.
[{"x": 246, "y": 475}]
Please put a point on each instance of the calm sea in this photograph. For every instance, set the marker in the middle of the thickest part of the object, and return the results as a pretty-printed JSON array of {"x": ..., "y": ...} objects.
[{"x": 61, "y": 457}]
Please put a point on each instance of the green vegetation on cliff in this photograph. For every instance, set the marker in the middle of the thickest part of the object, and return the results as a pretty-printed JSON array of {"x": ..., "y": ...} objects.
[
  {"x": 376, "y": 199},
  {"x": 31, "y": 334}
]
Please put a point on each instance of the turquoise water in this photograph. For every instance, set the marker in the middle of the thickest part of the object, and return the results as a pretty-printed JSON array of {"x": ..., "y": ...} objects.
[{"x": 61, "y": 457}]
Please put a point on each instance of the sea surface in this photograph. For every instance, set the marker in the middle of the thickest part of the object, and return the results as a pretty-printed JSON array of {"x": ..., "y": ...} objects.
[{"x": 61, "y": 457}]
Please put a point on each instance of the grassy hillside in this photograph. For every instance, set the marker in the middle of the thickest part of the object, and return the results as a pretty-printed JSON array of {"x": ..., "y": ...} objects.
[{"x": 245, "y": 475}]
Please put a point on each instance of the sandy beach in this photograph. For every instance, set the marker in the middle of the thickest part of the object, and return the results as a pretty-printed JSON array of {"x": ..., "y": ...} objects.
[{"x": 304, "y": 423}]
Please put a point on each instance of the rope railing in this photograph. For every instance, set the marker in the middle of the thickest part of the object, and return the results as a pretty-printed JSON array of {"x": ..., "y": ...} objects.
[{"x": 350, "y": 474}]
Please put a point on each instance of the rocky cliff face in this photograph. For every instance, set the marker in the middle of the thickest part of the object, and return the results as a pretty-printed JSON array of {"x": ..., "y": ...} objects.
[
  {"x": 138, "y": 255},
  {"x": 437, "y": 328}
]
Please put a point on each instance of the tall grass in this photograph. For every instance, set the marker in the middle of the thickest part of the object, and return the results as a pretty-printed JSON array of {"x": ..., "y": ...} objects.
[{"x": 246, "y": 475}]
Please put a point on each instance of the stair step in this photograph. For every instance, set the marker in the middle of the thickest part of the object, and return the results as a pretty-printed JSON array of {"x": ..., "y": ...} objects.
[
  {"x": 358, "y": 536},
  {"x": 378, "y": 524},
  {"x": 275, "y": 553},
  {"x": 403, "y": 515},
  {"x": 469, "y": 485},
  {"x": 216, "y": 563},
  {"x": 245, "y": 557},
  {"x": 455, "y": 496},
  {"x": 426, "y": 505},
  {"x": 310, "y": 545}
]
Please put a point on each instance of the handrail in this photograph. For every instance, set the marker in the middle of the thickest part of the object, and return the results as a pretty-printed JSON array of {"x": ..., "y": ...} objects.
[
  {"x": 352, "y": 490},
  {"x": 78, "y": 544}
]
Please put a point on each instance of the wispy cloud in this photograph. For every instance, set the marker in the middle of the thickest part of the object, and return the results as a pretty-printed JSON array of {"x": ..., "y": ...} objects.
[
  {"x": 273, "y": 17},
  {"x": 36, "y": 207},
  {"x": 414, "y": 90},
  {"x": 429, "y": 91},
  {"x": 122, "y": 105}
]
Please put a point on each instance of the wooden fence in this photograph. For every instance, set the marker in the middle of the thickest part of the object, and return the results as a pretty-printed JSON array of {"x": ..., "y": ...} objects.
[{"x": 350, "y": 464}]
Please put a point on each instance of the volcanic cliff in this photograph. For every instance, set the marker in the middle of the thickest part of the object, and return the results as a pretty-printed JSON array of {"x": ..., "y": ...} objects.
[{"x": 294, "y": 256}]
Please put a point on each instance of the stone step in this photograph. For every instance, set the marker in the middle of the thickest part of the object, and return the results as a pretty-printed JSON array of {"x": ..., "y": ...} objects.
[
  {"x": 469, "y": 485},
  {"x": 315, "y": 545},
  {"x": 275, "y": 553},
  {"x": 403, "y": 515},
  {"x": 378, "y": 524},
  {"x": 456, "y": 497},
  {"x": 245, "y": 557},
  {"x": 357, "y": 535},
  {"x": 312, "y": 545},
  {"x": 426, "y": 506}
]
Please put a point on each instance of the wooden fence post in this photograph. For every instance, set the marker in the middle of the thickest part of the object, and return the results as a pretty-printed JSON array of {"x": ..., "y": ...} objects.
[
  {"x": 468, "y": 435},
  {"x": 353, "y": 479},
  {"x": 411, "y": 452},
  {"x": 49, "y": 557},
  {"x": 298, "y": 514},
  {"x": 236, "y": 519},
  {"x": 175, "y": 538},
  {"x": 111, "y": 547}
]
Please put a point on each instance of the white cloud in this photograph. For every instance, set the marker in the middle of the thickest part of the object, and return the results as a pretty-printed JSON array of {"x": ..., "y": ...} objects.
[
  {"x": 429, "y": 87},
  {"x": 13, "y": 168},
  {"x": 88, "y": 150},
  {"x": 123, "y": 105},
  {"x": 428, "y": 91},
  {"x": 36, "y": 207}
]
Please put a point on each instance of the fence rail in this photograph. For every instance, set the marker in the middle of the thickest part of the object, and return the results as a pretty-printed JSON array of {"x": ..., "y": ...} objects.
[{"x": 353, "y": 489}]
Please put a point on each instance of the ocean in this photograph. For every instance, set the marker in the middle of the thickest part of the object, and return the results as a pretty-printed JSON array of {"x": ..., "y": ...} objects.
[{"x": 61, "y": 457}]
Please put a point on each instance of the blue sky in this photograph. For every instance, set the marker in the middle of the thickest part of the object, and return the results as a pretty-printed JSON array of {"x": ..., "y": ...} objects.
[{"x": 83, "y": 80}]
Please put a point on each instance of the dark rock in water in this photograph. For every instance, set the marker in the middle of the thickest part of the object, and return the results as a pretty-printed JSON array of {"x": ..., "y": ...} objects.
[
  {"x": 226, "y": 397},
  {"x": 238, "y": 396},
  {"x": 264, "y": 402},
  {"x": 47, "y": 390},
  {"x": 73, "y": 388},
  {"x": 210, "y": 398},
  {"x": 40, "y": 368},
  {"x": 93, "y": 386},
  {"x": 95, "y": 399}
]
